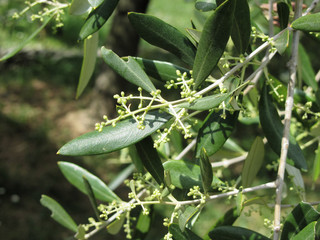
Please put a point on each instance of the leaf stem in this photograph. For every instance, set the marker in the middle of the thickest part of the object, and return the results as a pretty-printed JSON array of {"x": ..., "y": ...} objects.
[{"x": 287, "y": 119}]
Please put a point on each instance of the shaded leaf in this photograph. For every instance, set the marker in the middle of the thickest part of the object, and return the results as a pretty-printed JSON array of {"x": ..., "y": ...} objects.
[
  {"x": 232, "y": 233},
  {"x": 215, "y": 131},
  {"x": 74, "y": 174},
  {"x": 316, "y": 165},
  {"x": 284, "y": 13},
  {"x": 282, "y": 42},
  {"x": 26, "y": 41},
  {"x": 301, "y": 216},
  {"x": 185, "y": 175},
  {"x": 159, "y": 33},
  {"x": 97, "y": 18},
  {"x": 205, "y": 5},
  {"x": 179, "y": 235},
  {"x": 205, "y": 103},
  {"x": 160, "y": 70},
  {"x": 310, "y": 23},
  {"x": 91, "y": 196},
  {"x": 131, "y": 70},
  {"x": 58, "y": 213},
  {"x": 88, "y": 63},
  {"x": 115, "y": 138},
  {"x": 79, "y": 7},
  {"x": 213, "y": 41},
  {"x": 253, "y": 162},
  {"x": 228, "y": 218},
  {"x": 241, "y": 28},
  {"x": 115, "y": 227},
  {"x": 308, "y": 233},
  {"x": 186, "y": 214},
  {"x": 305, "y": 68},
  {"x": 143, "y": 224},
  {"x": 136, "y": 158},
  {"x": 273, "y": 130},
  {"x": 206, "y": 171},
  {"x": 150, "y": 159}
]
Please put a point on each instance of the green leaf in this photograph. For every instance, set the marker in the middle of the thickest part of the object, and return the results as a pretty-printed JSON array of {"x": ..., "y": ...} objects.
[
  {"x": 205, "y": 103},
  {"x": 79, "y": 7},
  {"x": 194, "y": 34},
  {"x": 115, "y": 227},
  {"x": 143, "y": 224},
  {"x": 95, "y": 3},
  {"x": 136, "y": 160},
  {"x": 158, "y": 33},
  {"x": 151, "y": 159},
  {"x": 88, "y": 63},
  {"x": 185, "y": 175},
  {"x": 186, "y": 214},
  {"x": 74, "y": 174},
  {"x": 26, "y": 41},
  {"x": 282, "y": 42},
  {"x": 296, "y": 178},
  {"x": 284, "y": 13},
  {"x": 115, "y": 138},
  {"x": 97, "y": 18},
  {"x": 310, "y": 23},
  {"x": 206, "y": 171},
  {"x": 232, "y": 233},
  {"x": 160, "y": 70},
  {"x": 131, "y": 70},
  {"x": 58, "y": 213},
  {"x": 315, "y": 130},
  {"x": 205, "y": 5},
  {"x": 241, "y": 28},
  {"x": 253, "y": 162},
  {"x": 316, "y": 165},
  {"x": 305, "y": 68},
  {"x": 273, "y": 130},
  {"x": 308, "y": 233},
  {"x": 215, "y": 131},
  {"x": 301, "y": 216},
  {"x": 228, "y": 218},
  {"x": 213, "y": 41},
  {"x": 179, "y": 235},
  {"x": 81, "y": 232},
  {"x": 91, "y": 196}
]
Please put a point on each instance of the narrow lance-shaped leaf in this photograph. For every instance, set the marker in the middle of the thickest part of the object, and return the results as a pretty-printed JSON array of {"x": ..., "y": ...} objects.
[
  {"x": 305, "y": 68},
  {"x": 302, "y": 215},
  {"x": 115, "y": 138},
  {"x": 160, "y": 70},
  {"x": 91, "y": 196},
  {"x": 185, "y": 175},
  {"x": 231, "y": 233},
  {"x": 95, "y": 3},
  {"x": 308, "y": 233},
  {"x": 88, "y": 62},
  {"x": 58, "y": 213},
  {"x": 179, "y": 235},
  {"x": 273, "y": 130},
  {"x": 213, "y": 41},
  {"x": 97, "y": 18},
  {"x": 74, "y": 174},
  {"x": 215, "y": 131},
  {"x": 241, "y": 28},
  {"x": 284, "y": 13},
  {"x": 186, "y": 215},
  {"x": 161, "y": 34},
  {"x": 316, "y": 165},
  {"x": 310, "y": 23},
  {"x": 131, "y": 70},
  {"x": 79, "y": 7},
  {"x": 206, "y": 170},
  {"x": 27, "y": 40},
  {"x": 205, "y": 5},
  {"x": 282, "y": 42},
  {"x": 296, "y": 177},
  {"x": 151, "y": 159},
  {"x": 253, "y": 162}
]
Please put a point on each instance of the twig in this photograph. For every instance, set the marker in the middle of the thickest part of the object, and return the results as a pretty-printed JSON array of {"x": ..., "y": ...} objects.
[
  {"x": 311, "y": 7},
  {"x": 226, "y": 163},
  {"x": 187, "y": 149},
  {"x": 286, "y": 133}
]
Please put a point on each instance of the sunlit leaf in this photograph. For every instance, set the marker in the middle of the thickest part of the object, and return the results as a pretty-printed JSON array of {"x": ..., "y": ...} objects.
[
  {"x": 205, "y": 5},
  {"x": 213, "y": 41},
  {"x": 301, "y": 216},
  {"x": 308, "y": 233},
  {"x": 186, "y": 214},
  {"x": 316, "y": 165},
  {"x": 79, "y": 7},
  {"x": 74, "y": 174},
  {"x": 253, "y": 162},
  {"x": 310, "y": 23},
  {"x": 97, "y": 18},
  {"x": 282, "y": 42},
  {"x": 58, "y": 213},
  {"x": 161, "y": 34},
  {"x": 194, "y": 34},
  {"x": 215, "y": 131},
  {"x": 185, "y": 175},
  {"x": 115, "y": 138},
  {"x": 95, "y": 3},
  {"x": 26, "y": 41},
  {"x": 273, "y": 130},
  {"x": 206, "y": 171},
  {"x": 241, "y": 28},
  {"x": 150, "y": 159},
  {"x": 232, "y": 233},
  {"x": 88, "y": 63}
]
